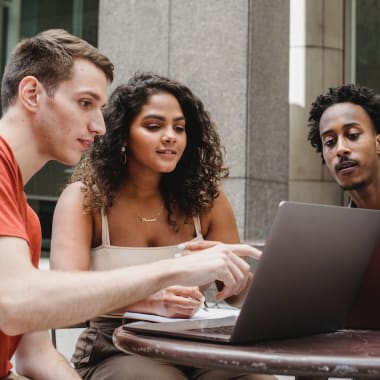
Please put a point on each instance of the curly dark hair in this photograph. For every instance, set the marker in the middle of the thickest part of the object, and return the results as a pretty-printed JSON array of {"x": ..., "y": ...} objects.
[
  {"x": 360, "y": 95},
  {"x": 191, "y": 187}
]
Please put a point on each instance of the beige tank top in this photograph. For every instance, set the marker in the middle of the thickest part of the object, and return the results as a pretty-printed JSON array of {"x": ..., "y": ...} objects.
[{"x": 107, "y": 256}]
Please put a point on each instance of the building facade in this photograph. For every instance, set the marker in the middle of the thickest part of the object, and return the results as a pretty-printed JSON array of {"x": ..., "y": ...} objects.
[{"x": 256, "y": 64}]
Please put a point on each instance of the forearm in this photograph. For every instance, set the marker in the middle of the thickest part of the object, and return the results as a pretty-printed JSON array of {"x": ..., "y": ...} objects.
[
  {"x": 37, "y": 359},
  {"x": 46, "y": 299},
  {"x": 144, "y": 306},
  {"x": 52, "y": 366},
  {"x": 33, "y": 300}
]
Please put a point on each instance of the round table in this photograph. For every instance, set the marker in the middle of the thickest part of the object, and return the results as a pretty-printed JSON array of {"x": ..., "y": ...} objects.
[{"x": 346, "y": 353}]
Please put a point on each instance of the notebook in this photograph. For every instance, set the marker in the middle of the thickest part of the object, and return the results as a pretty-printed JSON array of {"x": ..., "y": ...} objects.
[{"x": 305, "y": 282}]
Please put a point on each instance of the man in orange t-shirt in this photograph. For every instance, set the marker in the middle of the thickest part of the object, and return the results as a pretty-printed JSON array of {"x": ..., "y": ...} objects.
[
  {"x": 345, "y": 128},
  {"x": 16, "y": 219},
  {"x": 53, "y": 90},
  {"x": 35, "y": 91}
]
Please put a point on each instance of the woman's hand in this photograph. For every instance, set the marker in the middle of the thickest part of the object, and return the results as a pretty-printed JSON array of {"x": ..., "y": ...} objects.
[{"x": 172, "y": 302}]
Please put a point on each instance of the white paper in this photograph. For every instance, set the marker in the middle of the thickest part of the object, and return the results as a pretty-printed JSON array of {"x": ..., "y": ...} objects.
[{"x": 202, "y": 314}]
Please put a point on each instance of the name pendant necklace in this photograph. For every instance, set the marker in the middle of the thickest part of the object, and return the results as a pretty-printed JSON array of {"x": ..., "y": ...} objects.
[{"x": 152, "y": 219}]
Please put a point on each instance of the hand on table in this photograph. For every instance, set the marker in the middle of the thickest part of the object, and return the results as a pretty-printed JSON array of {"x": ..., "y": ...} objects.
[{"x": 174, "y": 302}]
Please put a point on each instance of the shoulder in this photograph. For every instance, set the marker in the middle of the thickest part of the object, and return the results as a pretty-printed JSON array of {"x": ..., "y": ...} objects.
[
  {"x": 220, "y": 223},
  {"x": 11, "y": 185},
  {"x": 72, "y": 195},
  {"x": 70, "y": 213},
  {"x": 221, "y": 203},
  {"x": 75, "y": 188},
  {"x": 221, "y": 208},
  {"x": 6, "y": 153},
  {"x": 9, "y": 168},
  {"x": 221, "y": 199}
]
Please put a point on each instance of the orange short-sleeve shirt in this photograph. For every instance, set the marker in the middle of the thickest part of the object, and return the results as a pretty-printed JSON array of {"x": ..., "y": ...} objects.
[{"x": 17, "y": 219}]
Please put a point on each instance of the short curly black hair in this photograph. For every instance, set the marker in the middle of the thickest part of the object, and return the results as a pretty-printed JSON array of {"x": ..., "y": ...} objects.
[
  {"x": 360, "y": 95},
  {"x": 192, "y": 186}
]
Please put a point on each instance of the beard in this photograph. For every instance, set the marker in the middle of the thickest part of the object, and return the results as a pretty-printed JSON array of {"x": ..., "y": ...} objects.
[{"x": 354, "y": 186}]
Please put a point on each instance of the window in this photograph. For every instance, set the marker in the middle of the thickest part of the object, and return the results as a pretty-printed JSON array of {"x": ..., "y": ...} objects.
[
  {"x": 364, "y": 43},
  {"x": 24, "y": 18}
]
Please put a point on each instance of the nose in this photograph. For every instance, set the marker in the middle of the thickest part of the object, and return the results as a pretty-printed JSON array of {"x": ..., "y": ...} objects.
[
  {"x": 97, "y": 124},
  {"x": 169, "y": 135},
  {"x": 342, "y": 148}
]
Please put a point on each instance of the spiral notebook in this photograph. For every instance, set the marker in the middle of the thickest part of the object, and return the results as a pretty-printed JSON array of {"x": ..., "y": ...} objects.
[{"x": 305, "y": 282}]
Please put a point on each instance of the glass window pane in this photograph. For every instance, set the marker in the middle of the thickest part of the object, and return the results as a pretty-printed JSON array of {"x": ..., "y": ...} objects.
[
  {"x": 367, "y": 15},
  {"x": 90, "y": 24},
  {"x": 38, "y": 15},
  {"x": 79, "y": 17}
]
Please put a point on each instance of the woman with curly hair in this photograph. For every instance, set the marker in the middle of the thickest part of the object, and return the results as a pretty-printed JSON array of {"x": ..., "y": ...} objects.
[{"x": 150, "y": 183}]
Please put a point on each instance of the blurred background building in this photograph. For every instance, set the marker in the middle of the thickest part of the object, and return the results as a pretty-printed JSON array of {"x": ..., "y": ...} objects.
[{"x": 257, "y": 65}]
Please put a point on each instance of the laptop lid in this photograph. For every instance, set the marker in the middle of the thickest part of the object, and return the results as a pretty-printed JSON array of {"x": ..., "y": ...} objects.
[{"x": 307, "y": 279}]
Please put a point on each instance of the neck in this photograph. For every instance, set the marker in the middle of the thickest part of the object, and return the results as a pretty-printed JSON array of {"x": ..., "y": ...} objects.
[
  {"x": 368, "y": 197},
  {"x": 18, "y": 133},
  {"x": 142, "y": 186},
  {"x": 142, "y": 194}
]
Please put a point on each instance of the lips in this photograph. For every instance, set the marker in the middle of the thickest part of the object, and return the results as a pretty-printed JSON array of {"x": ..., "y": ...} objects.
[
  {"x": 167, "y": 151},
  {"x": 86, "y": 142},
  {"x": 346, "y": 164}
]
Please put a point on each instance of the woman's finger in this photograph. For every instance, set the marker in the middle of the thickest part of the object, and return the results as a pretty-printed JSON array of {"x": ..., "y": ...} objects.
[
  {"x": 181, "y": 307},
  {"x": 186, "y": 291}
]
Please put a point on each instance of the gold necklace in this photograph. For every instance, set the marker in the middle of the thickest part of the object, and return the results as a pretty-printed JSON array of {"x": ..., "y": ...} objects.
[{"x": 151, "y": 219}]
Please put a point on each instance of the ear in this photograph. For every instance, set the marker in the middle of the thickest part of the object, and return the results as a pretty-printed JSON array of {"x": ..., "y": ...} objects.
[
  {"x": 378, "y": 143},
  {"x": 29, "y": 91}
]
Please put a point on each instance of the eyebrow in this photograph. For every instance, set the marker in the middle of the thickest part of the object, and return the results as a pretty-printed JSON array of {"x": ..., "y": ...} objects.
[
  {"x": 93, "y": 95},
  {"x": 345, "y": 126},
  {"x": 90, "y": 93},
  {"x": 159, "y": 117}
]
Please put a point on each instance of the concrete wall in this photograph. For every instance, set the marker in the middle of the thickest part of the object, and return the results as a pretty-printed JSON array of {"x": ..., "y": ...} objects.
[
  {"x": 268, "y": 114},
  {"x": 234, "y": 55},
  {"x": 316, "y": 63}
]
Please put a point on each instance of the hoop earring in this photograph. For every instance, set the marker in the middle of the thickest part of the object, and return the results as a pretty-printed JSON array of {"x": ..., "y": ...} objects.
[{"x": 123, "y": 155}]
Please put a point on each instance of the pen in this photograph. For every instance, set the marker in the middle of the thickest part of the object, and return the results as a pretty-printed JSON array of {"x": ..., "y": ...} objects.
[{"x": 205, "y": 305}]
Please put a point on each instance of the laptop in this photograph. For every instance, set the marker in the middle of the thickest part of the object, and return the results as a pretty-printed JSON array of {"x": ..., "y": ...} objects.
[{"x": 305, "y": 282}]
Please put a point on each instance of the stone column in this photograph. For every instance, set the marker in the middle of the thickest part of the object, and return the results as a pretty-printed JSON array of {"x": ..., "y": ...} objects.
[
  {"x": 316, "y": 63},
  {"x": 234, "y": 56},
  {"x": 268, "y": 114}
]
